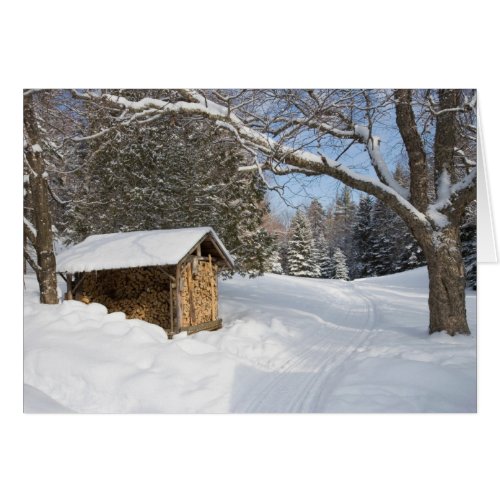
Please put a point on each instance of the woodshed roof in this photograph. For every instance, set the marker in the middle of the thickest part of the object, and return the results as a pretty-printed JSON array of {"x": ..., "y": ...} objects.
[{"x": 138, "y": 248}]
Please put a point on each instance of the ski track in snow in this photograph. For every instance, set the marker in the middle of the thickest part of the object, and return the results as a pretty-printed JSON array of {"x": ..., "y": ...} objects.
[{"x": 275, "y": 394}]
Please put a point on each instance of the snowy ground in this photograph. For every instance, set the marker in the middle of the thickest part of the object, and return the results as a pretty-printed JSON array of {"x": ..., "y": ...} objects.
[{"x": 288, "y": 345}]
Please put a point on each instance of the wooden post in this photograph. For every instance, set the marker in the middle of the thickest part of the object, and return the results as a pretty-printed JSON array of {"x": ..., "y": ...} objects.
[
  {"x": 171, "y": 307},
  {"x": 69, "y": 286},
  {"x": 78, "y": 283},
  {"x": 178, "y": 296},
  {"x": 189, "y": 277},
  {"x": 212, "y": 291}
]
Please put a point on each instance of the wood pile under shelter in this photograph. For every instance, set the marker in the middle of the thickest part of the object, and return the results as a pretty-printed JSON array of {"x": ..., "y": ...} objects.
[{"x": 165, "y": 277}]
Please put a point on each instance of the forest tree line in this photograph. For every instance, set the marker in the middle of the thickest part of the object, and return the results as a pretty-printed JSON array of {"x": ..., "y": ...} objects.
[{"x": 350, "y": 240}]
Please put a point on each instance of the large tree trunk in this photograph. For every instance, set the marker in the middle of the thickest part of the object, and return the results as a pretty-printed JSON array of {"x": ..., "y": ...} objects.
[
  {"x": 446, "y": 282},
  {"x": 42, "y": 220}
]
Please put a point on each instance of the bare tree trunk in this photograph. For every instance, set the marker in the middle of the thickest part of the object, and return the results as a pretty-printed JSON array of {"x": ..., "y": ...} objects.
[
  {"x": 42, "y": 220},
  {"x": 445, "y": 265},
  {"x": 441, "y": 247}
]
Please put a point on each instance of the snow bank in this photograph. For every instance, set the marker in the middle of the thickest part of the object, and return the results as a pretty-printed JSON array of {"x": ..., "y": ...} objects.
[
  {"x": 288, "y": 345},
  {"x": 91, "y": 361}
]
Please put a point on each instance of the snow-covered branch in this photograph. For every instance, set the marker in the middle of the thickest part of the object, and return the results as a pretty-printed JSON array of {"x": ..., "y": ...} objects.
[
  {"x": 467, "y": 161},
  {"x": 468, "y": 105},
  {"x": 258, "y": 137},
  {"x": 452, "y": 196},
  {"x": 360, "y": 134},
  {"x": 299, "y": 160},
  {"x": 373, "y": 147}
]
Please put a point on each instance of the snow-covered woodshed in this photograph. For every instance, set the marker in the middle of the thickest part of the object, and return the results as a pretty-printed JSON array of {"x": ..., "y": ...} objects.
[{"x": 165, "y": 277}]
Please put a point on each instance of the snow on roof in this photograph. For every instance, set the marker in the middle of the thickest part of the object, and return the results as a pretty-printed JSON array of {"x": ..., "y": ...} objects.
[{"x": 134, "y": 249}]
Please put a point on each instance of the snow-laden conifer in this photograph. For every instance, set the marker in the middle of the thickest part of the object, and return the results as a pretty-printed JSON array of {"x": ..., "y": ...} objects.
[
  {"x": 301, "y": 251},
  {"x": 323, "y": 257},
  {"x": 341, "y": 271}
]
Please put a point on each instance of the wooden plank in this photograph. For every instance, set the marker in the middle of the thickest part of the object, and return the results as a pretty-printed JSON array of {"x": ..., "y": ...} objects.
[
  {"x": 209, "y": 325},
  {"x": 171, "y": 306},
  {"x": 69, "y": 286},
  {"x": 195, "y": 265},
  {"x": 79, "y": 282},
  {"x": 178, "y": 296},
  {"x": 192, "y": 310},
  {"x": 212, "y": 290}
]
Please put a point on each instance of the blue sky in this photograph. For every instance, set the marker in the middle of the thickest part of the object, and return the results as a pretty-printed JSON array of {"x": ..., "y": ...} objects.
[{"x": 299, "y": 190}]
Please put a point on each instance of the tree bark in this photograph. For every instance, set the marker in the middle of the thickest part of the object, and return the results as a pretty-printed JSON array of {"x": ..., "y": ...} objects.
[
  {"x": 447, "y": 311},
  {"x": 445, "y": 138},
  {"x": 42, "y": 220},
  {"x": 405, "y": 120}
]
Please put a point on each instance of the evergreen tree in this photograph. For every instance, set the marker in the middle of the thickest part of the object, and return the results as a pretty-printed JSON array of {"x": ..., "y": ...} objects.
[
  {"x": 283, "y": 254},
  {"x": 316, "y": 216},
  {"x": 172, "y": 175},
  {"x": 301, "y": 252},
  {"x": 341, "y": 271},
  {"x": 339, "y": 224},
  {"x": 382, "y": 243},
  {"x": 393, "y": 247},
  {"x": 276, "y": 225},
  {"x": 408, "y": 254},
  {"x": 323, "y": 258},
  {"x": 363, "y": 233},
  {"x": 383, "y": 240},
  {"x": 274, "y": 263},
  {"x": 468, "y": 235}
]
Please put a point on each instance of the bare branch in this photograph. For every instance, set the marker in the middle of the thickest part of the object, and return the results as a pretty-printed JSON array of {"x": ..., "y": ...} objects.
[
  {"x": 32, "y": 263},
  {"x": 29, "y": 231}
]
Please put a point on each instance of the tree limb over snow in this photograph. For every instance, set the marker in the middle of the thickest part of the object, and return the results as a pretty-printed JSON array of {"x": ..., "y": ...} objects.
[
  {"x": 304, "y": 162},
  {"x": 257, "y": 136}
]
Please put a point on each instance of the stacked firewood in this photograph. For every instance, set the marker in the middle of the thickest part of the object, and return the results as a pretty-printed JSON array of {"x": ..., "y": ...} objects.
[
  {"x": 198, "y": 292},
  {"x": 141, "y": 293}
]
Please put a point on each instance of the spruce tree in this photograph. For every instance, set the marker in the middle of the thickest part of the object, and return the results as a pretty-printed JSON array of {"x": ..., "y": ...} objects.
[
  {"x": 323, "y": 260},
  {"x": 283, "y": 254},
  {"x": 316, "y": 216},
  {"x": 301, "y": 251},
  {"x": 339, "y": 223},
  {"x": 274, "y": 263},
  {"x": 363, "y": 238},
  {"x": 393, "y": 247},
  {"x": 383, "y": 240},
  {"x": 468, "y": 235},
  {"x": 341, "y": 271}
]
